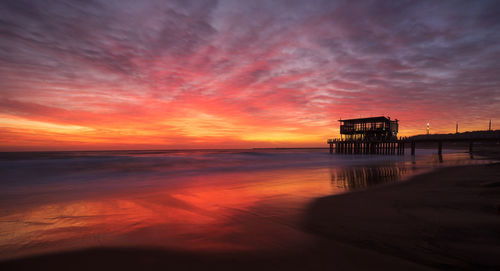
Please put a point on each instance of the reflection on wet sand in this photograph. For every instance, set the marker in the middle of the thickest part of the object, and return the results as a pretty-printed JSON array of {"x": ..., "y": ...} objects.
[
  {"x": 355, "y": 177},
  {"x": 362, "y": 177},
  {"x": 223, "y": 211}
]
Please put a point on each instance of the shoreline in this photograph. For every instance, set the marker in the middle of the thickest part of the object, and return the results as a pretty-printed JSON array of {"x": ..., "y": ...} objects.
[{"x": 402, "y": 226}]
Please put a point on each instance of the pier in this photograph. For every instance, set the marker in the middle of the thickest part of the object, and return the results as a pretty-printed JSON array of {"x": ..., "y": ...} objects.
[
  {"x": 375, "y": 135},
  {"x": 469, "y": 138},
  {"x": 378, "y": 135}
]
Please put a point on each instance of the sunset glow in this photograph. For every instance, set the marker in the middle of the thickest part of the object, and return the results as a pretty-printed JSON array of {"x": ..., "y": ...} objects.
[{"x": 84, "y": 75}]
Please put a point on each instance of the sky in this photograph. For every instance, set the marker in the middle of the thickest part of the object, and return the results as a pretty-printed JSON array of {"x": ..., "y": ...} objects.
[{"x": 85, "y": 75}]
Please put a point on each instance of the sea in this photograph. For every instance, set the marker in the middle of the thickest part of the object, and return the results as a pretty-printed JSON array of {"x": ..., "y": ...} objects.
[{"x": 194, "y": 200}]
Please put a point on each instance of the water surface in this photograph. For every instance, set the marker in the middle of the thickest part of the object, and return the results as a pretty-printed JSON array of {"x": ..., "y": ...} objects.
[{"x": 190, "y": 200}]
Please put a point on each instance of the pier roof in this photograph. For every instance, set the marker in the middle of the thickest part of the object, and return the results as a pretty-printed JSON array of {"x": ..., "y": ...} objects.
[{"x": 371, "y": 119}]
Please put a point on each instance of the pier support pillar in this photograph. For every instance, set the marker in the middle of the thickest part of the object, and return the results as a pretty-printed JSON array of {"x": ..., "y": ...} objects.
[
  {"x": 413, "y": 148},
  {"x": 440, "y": 147},
  {"x": 470, "y": 146}
]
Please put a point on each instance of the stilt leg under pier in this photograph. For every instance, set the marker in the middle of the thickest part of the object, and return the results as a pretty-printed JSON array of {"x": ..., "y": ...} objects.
[{"x": 413, "y": 148}]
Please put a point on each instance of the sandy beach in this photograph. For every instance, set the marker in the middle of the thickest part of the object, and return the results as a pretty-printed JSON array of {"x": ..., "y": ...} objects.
[{"x": 446, "y": 219}]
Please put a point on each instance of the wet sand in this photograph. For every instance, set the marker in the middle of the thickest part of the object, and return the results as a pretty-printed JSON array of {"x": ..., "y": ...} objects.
[{"x": 447, "y": 219}]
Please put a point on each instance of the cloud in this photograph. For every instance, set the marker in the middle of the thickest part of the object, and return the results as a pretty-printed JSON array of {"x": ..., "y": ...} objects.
[{"x": 252, "y": 66}]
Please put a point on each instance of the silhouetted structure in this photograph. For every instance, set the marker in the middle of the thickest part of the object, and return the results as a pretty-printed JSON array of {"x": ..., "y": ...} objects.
[
  {"x": 369, "y": 129},
  {"x": 377, "y": 135}
]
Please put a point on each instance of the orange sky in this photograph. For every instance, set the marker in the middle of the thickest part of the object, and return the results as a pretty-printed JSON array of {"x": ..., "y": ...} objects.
[{"x": 233, "y": 74}]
